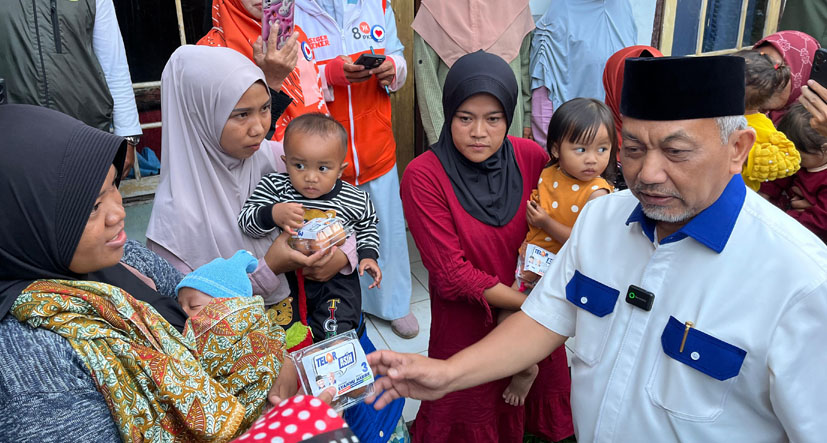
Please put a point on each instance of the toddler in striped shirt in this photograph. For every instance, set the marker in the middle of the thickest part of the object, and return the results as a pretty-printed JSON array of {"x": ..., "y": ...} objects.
[{"x": 314, "y": 153}]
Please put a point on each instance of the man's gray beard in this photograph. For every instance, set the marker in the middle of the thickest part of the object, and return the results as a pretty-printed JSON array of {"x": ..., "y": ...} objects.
[
  {"x": 659, "y": 213},
  {"x": 662, "y": 215}
]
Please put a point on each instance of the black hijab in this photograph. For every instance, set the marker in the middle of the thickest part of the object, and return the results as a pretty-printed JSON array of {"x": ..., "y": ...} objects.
[
  {"x": 490, "y": 191},
  {"x": 52, "y": 168}
]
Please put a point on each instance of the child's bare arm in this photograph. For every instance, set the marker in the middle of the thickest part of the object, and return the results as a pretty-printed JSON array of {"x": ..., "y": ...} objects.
[
  {"x": 503, "y": 297},
  {"x": 370, "y": 266}
]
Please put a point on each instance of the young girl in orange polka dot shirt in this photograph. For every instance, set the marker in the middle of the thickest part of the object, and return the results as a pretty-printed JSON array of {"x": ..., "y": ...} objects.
[{"x": 581, "y": 142}]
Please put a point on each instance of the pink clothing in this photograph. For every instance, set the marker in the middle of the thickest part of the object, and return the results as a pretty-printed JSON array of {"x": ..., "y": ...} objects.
[
  {"x": 458, "y": 27},
  {"x": 541, "y": 110},
  {"x": 798, "y": 50}
]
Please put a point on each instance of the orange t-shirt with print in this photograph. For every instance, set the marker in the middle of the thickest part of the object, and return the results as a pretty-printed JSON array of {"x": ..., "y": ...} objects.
[{"x": 562, "y": 197}]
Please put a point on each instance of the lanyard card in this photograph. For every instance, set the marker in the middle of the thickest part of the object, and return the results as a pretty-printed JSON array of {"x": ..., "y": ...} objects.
[
  {"x": 537, "y": 259},
  {"x": 338, "y": 361}
]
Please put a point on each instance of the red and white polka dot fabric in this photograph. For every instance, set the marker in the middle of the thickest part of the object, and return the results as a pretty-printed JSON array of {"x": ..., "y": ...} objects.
[{"x": 301, "y": 418}]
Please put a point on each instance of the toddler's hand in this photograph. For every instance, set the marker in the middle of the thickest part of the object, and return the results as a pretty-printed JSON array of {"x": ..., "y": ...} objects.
[
  {"x": 796, "y": 192},
  {"x": 536, "y": 215},
  {"x": 372, "y": 268},
  {"x": 800, "y": 204},
  {"x": 288, "y": 216}
]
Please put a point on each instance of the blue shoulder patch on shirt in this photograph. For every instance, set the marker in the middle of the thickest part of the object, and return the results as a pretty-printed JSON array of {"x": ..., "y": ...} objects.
[
  {"x": 713, "y": 357},
  {"x": 711, "y": 227},
  {"x": 591, "y": 295}
]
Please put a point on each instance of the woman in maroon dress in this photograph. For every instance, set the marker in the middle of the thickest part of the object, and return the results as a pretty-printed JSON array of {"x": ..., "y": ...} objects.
[{"x": 464, "y": 201}]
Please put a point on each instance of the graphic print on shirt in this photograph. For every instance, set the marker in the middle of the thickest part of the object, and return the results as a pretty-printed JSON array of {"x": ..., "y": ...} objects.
[
  {"x": 307, "y": 51},
  {"x": 292, "y": 86},
  {"x": 367, "y": 32},
  {"x": 331, "y": 325},
  {"x": 377, "y": 33},
  {"x": 318, "y": 42}
]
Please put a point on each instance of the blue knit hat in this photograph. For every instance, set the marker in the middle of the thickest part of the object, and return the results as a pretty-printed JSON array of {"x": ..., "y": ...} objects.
[{"x": 223, "y": 277}]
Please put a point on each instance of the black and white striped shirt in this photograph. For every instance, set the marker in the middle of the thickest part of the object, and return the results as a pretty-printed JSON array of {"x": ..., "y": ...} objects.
[{"x": 352, "y": 206}]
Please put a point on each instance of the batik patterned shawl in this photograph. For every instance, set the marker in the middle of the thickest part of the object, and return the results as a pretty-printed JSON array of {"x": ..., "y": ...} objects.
[
  {"x": 207, "y": 385},
  {"x": 239, "y": 343}
]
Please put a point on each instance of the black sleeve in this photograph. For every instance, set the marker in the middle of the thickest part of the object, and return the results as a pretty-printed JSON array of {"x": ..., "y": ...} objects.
[
  {"x": 264, "y": 216},
  {"x": 279, "y": 101},
  {"x": 278, "y": 104},
  {"x": 367, "y": 252}
]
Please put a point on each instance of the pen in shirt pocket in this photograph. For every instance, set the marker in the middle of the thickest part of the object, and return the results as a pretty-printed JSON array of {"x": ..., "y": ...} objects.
[{"x": 689, "y": 326}]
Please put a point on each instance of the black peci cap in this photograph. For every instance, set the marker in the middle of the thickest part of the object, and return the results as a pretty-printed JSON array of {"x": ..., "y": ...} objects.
[{"x": 681, "y": 88}]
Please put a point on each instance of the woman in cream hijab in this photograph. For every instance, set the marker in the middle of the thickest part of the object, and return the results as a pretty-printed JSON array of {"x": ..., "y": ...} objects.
[{"x": 216, "y": 113}]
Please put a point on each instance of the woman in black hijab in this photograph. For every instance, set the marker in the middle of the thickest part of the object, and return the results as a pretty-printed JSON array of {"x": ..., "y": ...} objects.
[
  {"x": 465, "y": 203},
  {"x": 58, "y": 224}
]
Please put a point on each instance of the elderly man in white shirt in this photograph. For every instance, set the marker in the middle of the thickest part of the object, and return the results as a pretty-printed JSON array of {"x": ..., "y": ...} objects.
[{"x": 699, "y": 309}]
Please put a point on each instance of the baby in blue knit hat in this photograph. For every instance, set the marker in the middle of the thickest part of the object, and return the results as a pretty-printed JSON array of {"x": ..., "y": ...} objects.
[{"x": 220, "y": 278}]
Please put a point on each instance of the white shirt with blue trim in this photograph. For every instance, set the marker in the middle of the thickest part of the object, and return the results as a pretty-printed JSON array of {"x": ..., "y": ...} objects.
[{"x": 751, "y": 280}]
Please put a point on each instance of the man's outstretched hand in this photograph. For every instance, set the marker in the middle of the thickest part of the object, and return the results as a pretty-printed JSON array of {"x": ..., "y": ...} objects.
[{"x": 407, "y": 375}]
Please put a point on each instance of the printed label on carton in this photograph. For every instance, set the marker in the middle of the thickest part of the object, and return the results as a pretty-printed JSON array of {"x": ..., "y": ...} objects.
[{"x": 344, "y": 366}]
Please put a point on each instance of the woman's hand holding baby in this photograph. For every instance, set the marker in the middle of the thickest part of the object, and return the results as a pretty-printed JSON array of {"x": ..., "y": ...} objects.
[
  {"x": 327, "y": 267},
  {"x": 288, "y": 216},
  {"x": 372, "y": 268},
  {"x": 281, "y": 258}
]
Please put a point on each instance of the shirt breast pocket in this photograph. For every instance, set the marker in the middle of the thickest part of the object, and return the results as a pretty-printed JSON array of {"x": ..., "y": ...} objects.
[
  {"x": 596, "y": 301},
  {"x": 693, "y": 384}
]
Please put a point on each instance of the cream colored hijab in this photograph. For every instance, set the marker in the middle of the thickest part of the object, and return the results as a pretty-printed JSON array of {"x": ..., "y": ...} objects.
[
  {"x": 454, "y": 28},
  {"x": 202, "y": 188}
]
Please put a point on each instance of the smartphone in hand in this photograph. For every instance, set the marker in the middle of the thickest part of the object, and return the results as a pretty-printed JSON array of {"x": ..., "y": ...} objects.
[
  {"x": 281, "y": 12},
  {"x": 819, "y": 69},
  {"x": 370, "y": 61}
]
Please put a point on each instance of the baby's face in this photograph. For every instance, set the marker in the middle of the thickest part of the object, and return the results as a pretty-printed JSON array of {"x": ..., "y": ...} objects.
[
  {"x": 314, "y": 163},
  {"x": 192, "y": 300}
]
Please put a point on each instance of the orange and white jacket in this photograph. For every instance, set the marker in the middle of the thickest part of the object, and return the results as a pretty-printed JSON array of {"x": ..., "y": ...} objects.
[
  {"x": 303, "y": 85},
  {"x": 364, "y": 109}
]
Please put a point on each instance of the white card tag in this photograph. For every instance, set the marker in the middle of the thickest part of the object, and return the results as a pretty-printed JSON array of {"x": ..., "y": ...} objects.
[{"x": 537, "y": 259}]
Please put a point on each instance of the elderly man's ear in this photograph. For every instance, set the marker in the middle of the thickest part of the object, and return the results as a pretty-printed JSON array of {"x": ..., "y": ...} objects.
[{"x": 741, "y": 142}]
